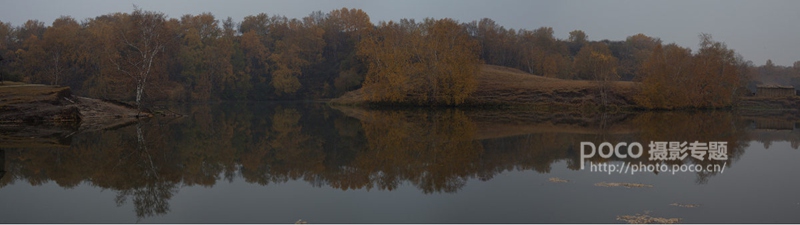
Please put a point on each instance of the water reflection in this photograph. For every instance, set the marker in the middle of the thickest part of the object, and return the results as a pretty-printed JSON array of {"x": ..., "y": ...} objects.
[
  {"x": 2, "y": 163},
  {"x": 436, "y": 151}
]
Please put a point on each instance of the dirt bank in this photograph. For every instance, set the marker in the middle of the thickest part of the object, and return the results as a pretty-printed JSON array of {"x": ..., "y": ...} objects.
[{"x": 33, "y": 104}]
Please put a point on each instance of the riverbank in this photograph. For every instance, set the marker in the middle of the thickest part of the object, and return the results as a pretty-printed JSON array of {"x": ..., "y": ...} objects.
[
  {"x": 45, "y": 116},
  {"x": 791, "y": 103},
  {"x": 512, "y": 88},
  {"x": 503, "y": 87},
  {"x": 36, "y": 104}
]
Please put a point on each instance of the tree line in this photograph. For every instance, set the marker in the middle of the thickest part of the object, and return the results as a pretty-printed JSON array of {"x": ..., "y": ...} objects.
[
  {"x": 192, "y": 58},
  {"x": 769, "y": 73},
  {"x": 144, "y": 55}
]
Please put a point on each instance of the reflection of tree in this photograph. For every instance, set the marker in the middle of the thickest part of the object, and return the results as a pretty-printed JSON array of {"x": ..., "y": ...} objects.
[
  {"x": 283, "y": 152},
  {"x": 134, "y": 161},
  {"x": 525, "y": 152},
  {"x": 141, "y": 169},
  {"x": 149, "y": 197},
  {"x": 2, "y": 163},
  {"x": 433, "y": 150},
  {"x": 703, "y": 126},
  {"x": 296, "y": 154},
  {"x": 206, "y": 148},
  {"x": 149, "y": 200}
]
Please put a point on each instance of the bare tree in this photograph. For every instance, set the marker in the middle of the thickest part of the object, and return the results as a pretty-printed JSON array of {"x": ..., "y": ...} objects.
[{"x": 142, "y": 35}]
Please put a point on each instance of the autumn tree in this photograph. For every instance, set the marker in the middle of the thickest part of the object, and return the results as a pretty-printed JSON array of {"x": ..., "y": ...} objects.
[
  {"x": 541, "y": 53},
  {"x": 716, "y": 74},
  {"x": 142, "y": 36},
  {"x": 389, "y": 58},
  {"x": 578, "y": 36},
  {"x": 674, "y": 78},
  {"x": 632, "y": 54},
  {"x": 235, "y": 82},
  {"x": 299, "y": 46},
  {"x": 5, "y": 37},
  {"x": 23, "y": 52},
  {"x": 497, "y": 43},
  {"x": 5, "y": 52},
  {"x": 30, "y": 58},
  {"x": 451, "y": 61},
  {"x": 31, "y": 28},
  {"x": 664, "y": 74},
  {"x": 100, "y": 45},
  {"x": 257, "y": 42},
  {"x": 205, "y": 57},
  {"x": 595, "y": 62},
  {"x": 577, "y": 39},
  {"x": 434, "y": 62},
  {"x": 60, "y": 43},
  {"x": 530, "y": 53},
  {"x": 344, "y": 28}
]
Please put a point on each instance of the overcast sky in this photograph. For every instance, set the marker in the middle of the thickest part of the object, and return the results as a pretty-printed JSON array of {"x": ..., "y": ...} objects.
[{"x": 759, "y": 30}]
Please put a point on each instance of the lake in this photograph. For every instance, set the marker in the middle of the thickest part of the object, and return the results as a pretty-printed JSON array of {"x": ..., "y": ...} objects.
[{"x": 284, "y": 162}]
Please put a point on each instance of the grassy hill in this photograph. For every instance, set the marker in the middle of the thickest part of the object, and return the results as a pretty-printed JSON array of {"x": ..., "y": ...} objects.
[{"x": 503, "y": 86}]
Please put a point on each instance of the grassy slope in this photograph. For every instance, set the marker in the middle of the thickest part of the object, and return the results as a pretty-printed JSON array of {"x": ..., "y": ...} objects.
[
  {"x": 499, "y": 85},
  {"x": 502, "y": 85}
]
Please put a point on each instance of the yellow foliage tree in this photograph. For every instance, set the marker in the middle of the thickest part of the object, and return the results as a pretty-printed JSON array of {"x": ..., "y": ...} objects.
[
  {"x": 664, "y": 72},
  {"x": 674, "y": 78},
  {"x": 60, "y": 42},
  {"x": 429, "y": 63},
  {"x": 300, "y": 47},
  {"x": 596, "y": 63}
]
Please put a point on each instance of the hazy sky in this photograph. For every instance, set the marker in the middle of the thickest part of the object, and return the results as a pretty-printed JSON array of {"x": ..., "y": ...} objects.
[{"x": 759, "y": 30}]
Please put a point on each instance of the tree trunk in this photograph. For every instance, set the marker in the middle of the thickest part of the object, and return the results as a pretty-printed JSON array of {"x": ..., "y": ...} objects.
[{"x": 139, "y": 90}]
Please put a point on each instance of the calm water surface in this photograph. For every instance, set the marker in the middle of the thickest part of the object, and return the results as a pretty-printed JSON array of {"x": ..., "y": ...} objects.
[{"x": 281, "y": 162}]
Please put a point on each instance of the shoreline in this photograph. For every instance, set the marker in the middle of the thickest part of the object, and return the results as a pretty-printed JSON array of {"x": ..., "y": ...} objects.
[
  {"x": 34, "y": 104},
  {"x": 507, "y": 88}
]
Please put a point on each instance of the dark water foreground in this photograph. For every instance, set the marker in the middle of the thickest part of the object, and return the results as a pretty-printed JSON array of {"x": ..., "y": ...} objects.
[{"x": 277, "y": 163}]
